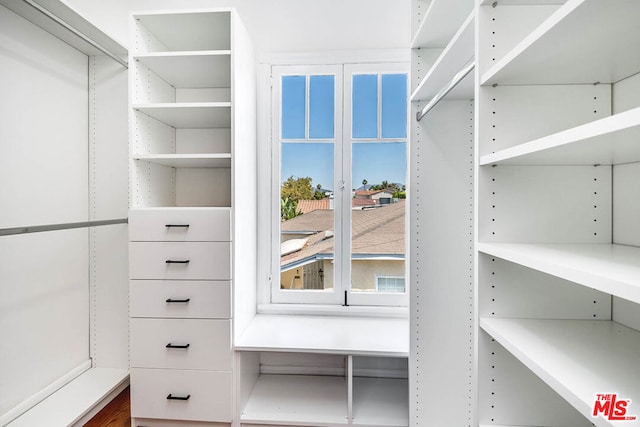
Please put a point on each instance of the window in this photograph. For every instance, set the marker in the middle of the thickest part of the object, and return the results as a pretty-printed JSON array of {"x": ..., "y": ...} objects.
[
  {"x": 390, "y": 284},
  {"x": 339, "y": 184}
]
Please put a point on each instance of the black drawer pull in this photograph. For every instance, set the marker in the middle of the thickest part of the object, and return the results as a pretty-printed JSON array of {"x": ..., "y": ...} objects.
[
  {"x": 177, "y": 345},
  {"x": 177, "y": 225},
  {"x": 172, "y": 397},
  {"x": 173, "y": 261},
  {"x": 170, "y": 300}
]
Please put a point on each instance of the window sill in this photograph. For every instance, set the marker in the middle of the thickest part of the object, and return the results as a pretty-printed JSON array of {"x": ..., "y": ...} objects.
[{"x": 355, "y": 336}]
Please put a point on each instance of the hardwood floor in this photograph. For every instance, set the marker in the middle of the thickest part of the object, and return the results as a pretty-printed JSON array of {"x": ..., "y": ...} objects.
[{"x": 116, "y": 414}]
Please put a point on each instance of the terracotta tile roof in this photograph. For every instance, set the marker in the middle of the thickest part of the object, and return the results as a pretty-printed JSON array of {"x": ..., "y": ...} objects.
[
  {"x": 379, "y": 231},
  {"x": 306, "y": 206}
]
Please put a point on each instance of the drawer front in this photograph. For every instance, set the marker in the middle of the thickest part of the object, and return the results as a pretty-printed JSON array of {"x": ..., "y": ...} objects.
[
  {"x": 203, "y": 225},
  {"x": 188, "y": 299},
  {"x": 181, "y": 344},
  {"x": 180, "y": 260},
  {"x": 209, "y": 395}
]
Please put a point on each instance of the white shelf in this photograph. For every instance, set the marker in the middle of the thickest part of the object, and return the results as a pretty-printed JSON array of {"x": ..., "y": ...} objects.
[
  {"x": 75, "y": 400},
  {"x": 440, "y": 23},
  {"x": 188, "y": 160},
  {"x": 610, "y": 140},
  {"x": 585, "y": 41},
  {"x": 380, "y": 402},
  {"x": 455, "y": 56},
  {"x": 189, "y": 30},
  {"x": 576, "y": 358},
  {"x": 297, "y": 400},
  {"x": 614, "y": 269},
  {"x": 209, "y": 69},
  {"x": 190, "y": 114},
  {"x": 327, "y": 335}
]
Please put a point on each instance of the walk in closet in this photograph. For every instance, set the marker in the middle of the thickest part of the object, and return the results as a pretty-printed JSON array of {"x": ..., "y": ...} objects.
[{"x": 63, "y": 213}]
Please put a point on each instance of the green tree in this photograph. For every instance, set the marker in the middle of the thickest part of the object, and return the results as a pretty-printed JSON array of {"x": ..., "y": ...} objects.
[
  {"x": 288, "y": 209},
  {"x": 297, "y": 189}
]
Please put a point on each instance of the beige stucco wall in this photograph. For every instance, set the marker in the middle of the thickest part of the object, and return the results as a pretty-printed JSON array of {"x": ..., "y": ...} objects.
[{"x": 363, "y": 274}]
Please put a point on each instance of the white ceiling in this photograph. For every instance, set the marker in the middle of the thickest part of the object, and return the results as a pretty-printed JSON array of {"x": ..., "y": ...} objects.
[{"x": 281, "y": 25}]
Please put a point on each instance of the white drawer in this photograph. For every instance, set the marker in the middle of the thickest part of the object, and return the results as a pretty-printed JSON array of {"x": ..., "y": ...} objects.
[
  {"x": 188, "y": 224},
  {"x": 156, "y": 393},
  {"x": 180, "y": 260},
  {"x": 180, "y": 299},
  {"x": 181, "y": 344}
]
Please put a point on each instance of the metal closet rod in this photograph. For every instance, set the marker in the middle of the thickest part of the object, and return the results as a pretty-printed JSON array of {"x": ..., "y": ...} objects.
[
  {"x": 87, "y": 39},
  {"x": 55, "y": 227},
  {"x": 445, "y": 90}
]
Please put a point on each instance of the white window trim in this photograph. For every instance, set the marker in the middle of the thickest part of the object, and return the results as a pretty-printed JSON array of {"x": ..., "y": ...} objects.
[
  {"x": 303, "y": 296},
  {"x": 267, "y": 274}
]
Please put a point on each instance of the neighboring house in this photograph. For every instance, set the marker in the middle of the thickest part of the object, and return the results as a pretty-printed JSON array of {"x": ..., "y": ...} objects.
[
  {"x": 378, "y": 250},
  {"x": 373, "y": 194}
]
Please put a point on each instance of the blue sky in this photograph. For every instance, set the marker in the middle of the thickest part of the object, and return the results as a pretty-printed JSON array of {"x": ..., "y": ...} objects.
[{"x": 373, "y": 161}]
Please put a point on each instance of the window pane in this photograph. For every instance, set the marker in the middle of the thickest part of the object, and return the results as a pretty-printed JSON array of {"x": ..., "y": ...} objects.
[
  {"x": 365, "y": 106},
  {"x": 321, "y": 106},
  {"x": 306, "y": 228},
  {"x": 394, "y": 105},
  {"x": 293, "y": 107},
  {"x": 378, "y": 214}
]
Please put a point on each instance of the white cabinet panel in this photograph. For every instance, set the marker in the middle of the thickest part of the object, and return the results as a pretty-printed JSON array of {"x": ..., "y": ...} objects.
[
  {"x": 181, "y": 395},
  {"x": 181, "y": 344},
  {"x": 177, "y": 260},
  {"x": 180, "y": 225},
  {"x": 180, "y": 299}
]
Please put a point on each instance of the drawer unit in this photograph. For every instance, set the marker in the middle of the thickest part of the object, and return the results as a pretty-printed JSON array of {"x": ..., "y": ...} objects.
[
  {"x": 181, "y": 344},
  {"x": 194, "y": 224},
  {"x": 181, "y": 395},
  {"x": 180, "y": 299},
  {"x": 180, "y": 260}
]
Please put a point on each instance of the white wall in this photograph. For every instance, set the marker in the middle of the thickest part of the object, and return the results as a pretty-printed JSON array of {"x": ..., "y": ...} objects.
[{"x": 280, "y": 25}]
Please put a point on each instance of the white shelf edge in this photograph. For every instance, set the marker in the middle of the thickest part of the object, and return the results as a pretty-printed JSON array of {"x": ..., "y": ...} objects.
[
  {"x": 75, "y": 400},
  {"x": 187, "y": 160},
  {"x": 184, "y": 105},
  {"x": 573, "y": 366},
  {"x": 450, "y": 61},
  {"x": 614, "y": 269},
  {"x": 605, "y": 126},
  {"x": 181, "y": 54},
  {"x": 528, "y": 41}
]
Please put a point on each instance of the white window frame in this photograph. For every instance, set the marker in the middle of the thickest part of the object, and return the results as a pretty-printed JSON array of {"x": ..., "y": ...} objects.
[
  {"x": 278, "y": 71},
  {"x": 342, "y": 178},
  {"x": 364, "y": 298}
]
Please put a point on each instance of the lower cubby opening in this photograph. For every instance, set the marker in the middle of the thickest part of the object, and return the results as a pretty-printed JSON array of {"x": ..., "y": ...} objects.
[{"x": 318, "y": 390}]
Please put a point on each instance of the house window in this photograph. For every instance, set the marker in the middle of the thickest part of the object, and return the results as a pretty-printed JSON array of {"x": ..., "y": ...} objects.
[
  {"x": 339, "y": 162},
  {"x": 390, "y": 284}
]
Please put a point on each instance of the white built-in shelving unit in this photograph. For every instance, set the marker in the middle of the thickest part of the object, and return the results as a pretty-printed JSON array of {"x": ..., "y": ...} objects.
[
  {"x": 442, "y": 223},
  {"x": 192, "y": 127},
  {"x": 557, "y": 210},
  {"x": 552, "y": 310},
  {"x": 348, "y": 372}
]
